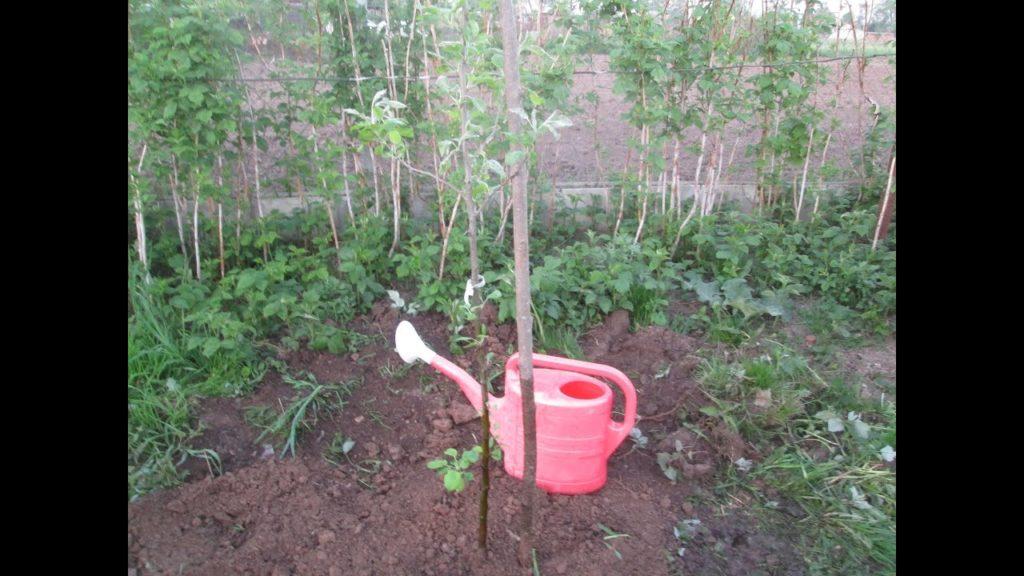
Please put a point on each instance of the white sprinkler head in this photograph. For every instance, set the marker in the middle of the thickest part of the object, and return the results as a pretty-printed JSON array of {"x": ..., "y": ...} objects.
[{"x": 410, "y": 346}]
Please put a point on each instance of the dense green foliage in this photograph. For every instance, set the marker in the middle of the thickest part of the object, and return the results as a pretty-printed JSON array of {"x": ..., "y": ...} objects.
[
  {"x": 212, "y": 336},
  {"x": 356, "y": 142}
]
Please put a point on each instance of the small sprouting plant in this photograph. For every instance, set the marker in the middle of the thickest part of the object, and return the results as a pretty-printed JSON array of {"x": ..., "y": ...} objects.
[
  {"x": 638, "y": 437},
  {"x": 835, "y": 423},
  {"x": 462, "y": 313},
  {"x": 340, "y": 446},
  {"x": 611, "y": 535},
  {"x": 213, "y": 463},
  {"x": 666, "y": 459},
  {"x": 685, "y": 531},
  {"x": 388, "y": 371},
  {"x": 397, "y": 302},
  {"x": 454, "y": 470}
]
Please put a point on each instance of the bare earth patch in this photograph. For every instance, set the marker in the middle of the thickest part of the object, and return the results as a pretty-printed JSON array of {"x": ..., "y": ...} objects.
[{"x": 304, "y": 515}]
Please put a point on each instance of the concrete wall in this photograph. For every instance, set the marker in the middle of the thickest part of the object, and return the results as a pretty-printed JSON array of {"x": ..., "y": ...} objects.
[{"x": 579, "y": 194}]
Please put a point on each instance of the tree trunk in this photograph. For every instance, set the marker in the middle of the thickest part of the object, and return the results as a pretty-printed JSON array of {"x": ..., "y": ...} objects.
[
  {"x": 220, "y": 236},
  {"x": 177, "y": 208},
  {"x": 821, "y": 176},
  {"x": 344, "y": 171},
  {"x": 622, "y": 197},
  {"x": 195, "y": 232},
  {"x": 359, "y": 95},
  {"x": 888, "y": 202},
  {"x": 396, "y": 204},
  {"x": 327, "y": 195},
  {"x": 474, "y": 278},
  {"x": 220, "y": 215},
  {"x": 524, "y": 316},
  {"x": 140, "y": 222},
  {"x": 803, "y": 179}
]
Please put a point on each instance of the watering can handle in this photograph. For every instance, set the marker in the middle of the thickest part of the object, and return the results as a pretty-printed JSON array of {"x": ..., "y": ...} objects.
[{"x": 617, "y": 430}]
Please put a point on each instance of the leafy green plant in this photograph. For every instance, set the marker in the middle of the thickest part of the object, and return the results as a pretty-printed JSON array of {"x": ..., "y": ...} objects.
[
  {"x": 340, "y": 448},
  {"x": 454, "y": 470},
  {"x": 733, "y": 307},
  {"x": 666, "y": 459},
  {"x": 581, "y": 283},
  {"x": 685, "y": 531},
  {"x": 340, "y": 445},
  {"x": 164, "y": 377}
]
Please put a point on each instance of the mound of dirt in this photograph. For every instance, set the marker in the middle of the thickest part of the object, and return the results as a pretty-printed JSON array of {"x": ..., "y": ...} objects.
[{"x": 382, "y": 511}]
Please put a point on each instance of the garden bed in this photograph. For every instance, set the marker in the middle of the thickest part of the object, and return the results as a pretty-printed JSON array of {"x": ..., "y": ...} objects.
[{"x": 304, "y": 515}]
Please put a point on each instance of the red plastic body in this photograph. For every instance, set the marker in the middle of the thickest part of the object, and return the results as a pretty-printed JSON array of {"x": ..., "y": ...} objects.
[{"x": 575, "y": 430}]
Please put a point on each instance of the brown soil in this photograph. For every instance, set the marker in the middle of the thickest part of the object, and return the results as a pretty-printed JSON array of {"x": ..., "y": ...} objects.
[
  {"x": 876, "y": 367},
  {"x": 303, "y": 515}
]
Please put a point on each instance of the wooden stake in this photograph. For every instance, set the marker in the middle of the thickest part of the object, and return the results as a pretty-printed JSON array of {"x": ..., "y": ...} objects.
[
  {"x": 140, "y": 222},
  {"x": 885, "y": 214},
  {"x": 524, "y": 315}
]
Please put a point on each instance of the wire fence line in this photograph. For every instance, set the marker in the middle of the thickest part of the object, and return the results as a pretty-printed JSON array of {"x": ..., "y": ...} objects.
[{"x": 358, "y": 79}]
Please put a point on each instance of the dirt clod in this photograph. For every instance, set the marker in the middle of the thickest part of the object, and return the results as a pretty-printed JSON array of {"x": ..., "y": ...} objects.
[
  {"x": 461, "y": 412},
  {"x": 396, "y": 452},
  {"x": 442, "y": 424}
]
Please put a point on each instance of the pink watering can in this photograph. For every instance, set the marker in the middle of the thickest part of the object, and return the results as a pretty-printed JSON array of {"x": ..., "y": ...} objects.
[{"x": 575, "y": 431}]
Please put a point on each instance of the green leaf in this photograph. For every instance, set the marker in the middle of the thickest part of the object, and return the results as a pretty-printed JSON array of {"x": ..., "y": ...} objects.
[
  {"x": 514, "y": 157},
  {"x": 736, "y": 290},
  {"x": 436, "y": 464},
  {"x": 495, "y": 167},
  {"x": 707, "y": 292},
  {"x": 196, "y": 95},
  {"x": 670, "y": 473},
  {"x": 711, "y": 411},
  {"x": 210, "y": 346},
  {"x": 623, "y": 283},
  {"x": 453, "y": 481}
]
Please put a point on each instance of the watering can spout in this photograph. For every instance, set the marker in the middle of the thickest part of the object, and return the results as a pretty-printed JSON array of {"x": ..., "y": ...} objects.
[{"x": 411, "y": 348}]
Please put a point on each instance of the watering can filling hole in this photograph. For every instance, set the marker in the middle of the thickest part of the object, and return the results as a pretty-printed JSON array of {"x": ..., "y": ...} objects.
[{"x": 582, "y": 390}]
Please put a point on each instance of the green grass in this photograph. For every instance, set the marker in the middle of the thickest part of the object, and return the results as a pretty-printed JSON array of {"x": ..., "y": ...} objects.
[
  {"x": 848, "y": 48},
  {"x": 838, "y": 478},
  {"x": 302, "y": 412},
  {"x": 159, "y": 413},
  {"x": 850, "y": 506},
  {"x": 556, "y": 339},
  {"x": 165, "y": 380}
]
